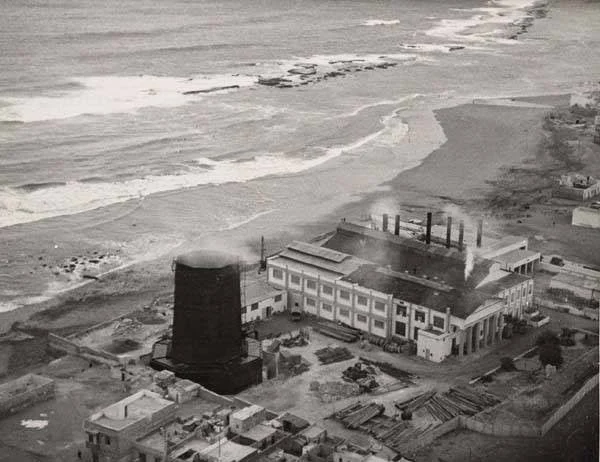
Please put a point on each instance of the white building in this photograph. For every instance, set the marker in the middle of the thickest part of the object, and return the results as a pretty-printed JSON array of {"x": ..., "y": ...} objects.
[
  {"x": 259, "y": 299},
  {"x": 390, "y": 286}
]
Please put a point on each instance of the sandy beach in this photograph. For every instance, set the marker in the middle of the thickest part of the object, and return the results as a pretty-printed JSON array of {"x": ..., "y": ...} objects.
[{"x": 483, "y": 140}]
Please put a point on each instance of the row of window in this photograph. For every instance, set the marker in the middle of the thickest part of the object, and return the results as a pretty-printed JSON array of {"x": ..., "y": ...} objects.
[
  {"x": 344, "y": 313},
  {"x": 328, "y": 290},
  {"x": 522, "y": 293}
]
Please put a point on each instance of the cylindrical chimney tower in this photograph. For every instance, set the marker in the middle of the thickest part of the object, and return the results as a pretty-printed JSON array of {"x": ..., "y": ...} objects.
[
  {"x": 479, "y": 232},
  {"x": 449, "y": 233},
  {"x": 397, "y": 226},
  {"x": 385, "y": 221},
  {"x": 207, "y": 315},
  {"x": 461, "y": 235},
  {"x": 428, "y": 230}
]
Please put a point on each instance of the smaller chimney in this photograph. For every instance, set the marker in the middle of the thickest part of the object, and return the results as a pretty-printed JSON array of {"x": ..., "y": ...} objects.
[
  {"x": 397, "y": 226},
  {"x": 385, "y": 222},
  {"x": 479, "y": 232},
  {"x": 448, "y": 313},
  {"x": 263, "y": 258},
  {"x": 428, "y": 231},
  {"x": 461, "y": 234},
  {"x": 449, "y": 233}
]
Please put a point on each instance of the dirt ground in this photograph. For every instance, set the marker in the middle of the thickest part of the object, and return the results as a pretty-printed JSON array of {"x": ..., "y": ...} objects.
[{"x": 573, "y": 439}]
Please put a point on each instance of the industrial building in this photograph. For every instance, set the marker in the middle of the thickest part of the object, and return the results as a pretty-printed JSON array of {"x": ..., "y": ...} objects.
[
  {"x": 588, "y": 217},
  {"x": 207, "y": 345},
  {"x": 450, "y": 300}
]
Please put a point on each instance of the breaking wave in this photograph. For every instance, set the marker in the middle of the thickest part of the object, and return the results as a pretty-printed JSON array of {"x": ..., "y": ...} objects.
[{"x": 381, "y": 22}]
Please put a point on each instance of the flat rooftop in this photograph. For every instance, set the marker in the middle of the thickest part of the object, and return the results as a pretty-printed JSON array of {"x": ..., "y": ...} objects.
[
  {"x": 123, "y": 413},
  {"x": 259, "y": 432},
  {"x": 229, "y": 451},
  {"x": 254, "y": 288},
  {"x": 247, "y": 412}
]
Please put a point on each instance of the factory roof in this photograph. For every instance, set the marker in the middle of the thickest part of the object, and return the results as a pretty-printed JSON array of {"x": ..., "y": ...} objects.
[
  {"x": 508, "y": 281},
  {"x": 461, "y": 302},
  {"x": 207, "y": 259},
  {"x": 516, "y": 256},
  {"x": 405, "y": 254},
  {"x": 313, "y": 256}
]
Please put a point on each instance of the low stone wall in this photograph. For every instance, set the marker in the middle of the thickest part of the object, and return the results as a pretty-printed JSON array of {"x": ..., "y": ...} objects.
[
  {"x": 565, "y": 408},
  {"x": 24, "y": 392},
  {"x": 70, "y": 347},
  {"x": 499, "y": 429},
  {"x": 430, "y": 436}
]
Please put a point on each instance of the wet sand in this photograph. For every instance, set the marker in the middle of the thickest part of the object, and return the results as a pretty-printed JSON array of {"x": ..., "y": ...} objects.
[{"x": 482, "y": 141}]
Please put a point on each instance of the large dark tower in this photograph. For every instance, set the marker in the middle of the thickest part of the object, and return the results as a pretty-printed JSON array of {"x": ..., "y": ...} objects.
[
  {"x": 207, "y": 343},
  {"x": 207, "y": 325}
]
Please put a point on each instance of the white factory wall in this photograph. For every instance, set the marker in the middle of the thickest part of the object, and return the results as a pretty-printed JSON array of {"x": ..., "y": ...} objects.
[{"x": 260, "y": 309}]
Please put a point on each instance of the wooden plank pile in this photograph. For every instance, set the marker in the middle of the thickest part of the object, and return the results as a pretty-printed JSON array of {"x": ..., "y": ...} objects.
[
  {"x": 359, "y": 414},
  {"x": 329, "y": 355},
  {"x": 337, "y": 331},
  {"x": 454, "y": 402}
]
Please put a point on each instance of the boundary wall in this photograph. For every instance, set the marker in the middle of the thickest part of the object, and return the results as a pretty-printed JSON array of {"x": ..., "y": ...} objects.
[{"x": 24, "y": 392}]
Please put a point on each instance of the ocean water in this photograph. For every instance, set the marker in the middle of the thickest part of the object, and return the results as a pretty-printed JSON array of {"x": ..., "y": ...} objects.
[{"x": 131, "y": 127}]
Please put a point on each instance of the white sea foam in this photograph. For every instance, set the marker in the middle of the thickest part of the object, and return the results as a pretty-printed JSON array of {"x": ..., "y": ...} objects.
[
  {"x": 381, "y": 22},
  {"x": 504, "y": 12},
  {"x": 17, "y": 206},
  {"x": 36, "y": 424},
  {"x": 113, "y": 94}
]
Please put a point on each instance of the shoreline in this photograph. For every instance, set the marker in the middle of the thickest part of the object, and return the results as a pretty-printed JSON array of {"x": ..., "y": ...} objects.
[{"x": 435, "y": 183}]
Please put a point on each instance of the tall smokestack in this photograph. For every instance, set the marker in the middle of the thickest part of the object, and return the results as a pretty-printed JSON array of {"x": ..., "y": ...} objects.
[
  {"x": 397, "y": 226},
  {"x": 449, "y": 233},
  {"x": 263, "y": 258},
  {"x": 385, "y": 221},
  {"x": 428, "y": 231},
  {"x": 461, "y": 235},
  {"x": 479, "y": 232}
]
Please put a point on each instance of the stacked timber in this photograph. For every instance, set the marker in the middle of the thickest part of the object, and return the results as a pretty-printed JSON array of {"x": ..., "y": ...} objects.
[
  {"x": 337, "y": 331},
  {"x": 454, "y": 402},
  {"x": 389, "y": 369},
  {"x": 329, "y": 355},
  {"x": 359, "y": 414}
]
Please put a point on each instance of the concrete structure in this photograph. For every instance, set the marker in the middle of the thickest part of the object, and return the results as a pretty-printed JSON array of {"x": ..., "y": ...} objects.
[
  {"x": 183, "y": 391},
  {"x": 259, "y": 299},
  {"x": 390, "y": 286},
  {"x": 578, "y": 187},
  {"x": 244, "y": 419},
  {"x": 586, "y": 216},
  {"x": 111, "y": 432},
  {"x": 24, "y": 392},
  {"x": 207, "y": 346}
]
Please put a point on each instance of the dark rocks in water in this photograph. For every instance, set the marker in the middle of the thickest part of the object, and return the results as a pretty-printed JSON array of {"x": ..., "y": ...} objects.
[
  {"x": 274, "y": 81},
  {"x": 74, "y": 259},
  {"x": 302, "y": 71},
  {"x": 40, "y": 258},
  {"x": 210, "y": 90},
  {"x": 89, "y": 276},
  {"x": 368, "y": 68},
  {"x": 94, "y": 260},
  {"x": 456, "y": 48}
]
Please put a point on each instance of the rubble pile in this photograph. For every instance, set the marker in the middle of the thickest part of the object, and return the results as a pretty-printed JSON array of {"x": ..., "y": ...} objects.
[
  {"x": 333, "y": 391},
  {"x": 298, "y": 340},
  {"x": 329, "y": 355},
  {"x": 363, "y": 376},
  {"x": 292, "y": 364},
  {"x": 126, "y": 326},
  {"x": 387, "y": 368}
]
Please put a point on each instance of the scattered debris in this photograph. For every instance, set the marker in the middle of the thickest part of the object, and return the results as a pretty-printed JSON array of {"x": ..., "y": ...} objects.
[
  {"x": 387, "y": 368},
  {"x": 329, "y": 355}
]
